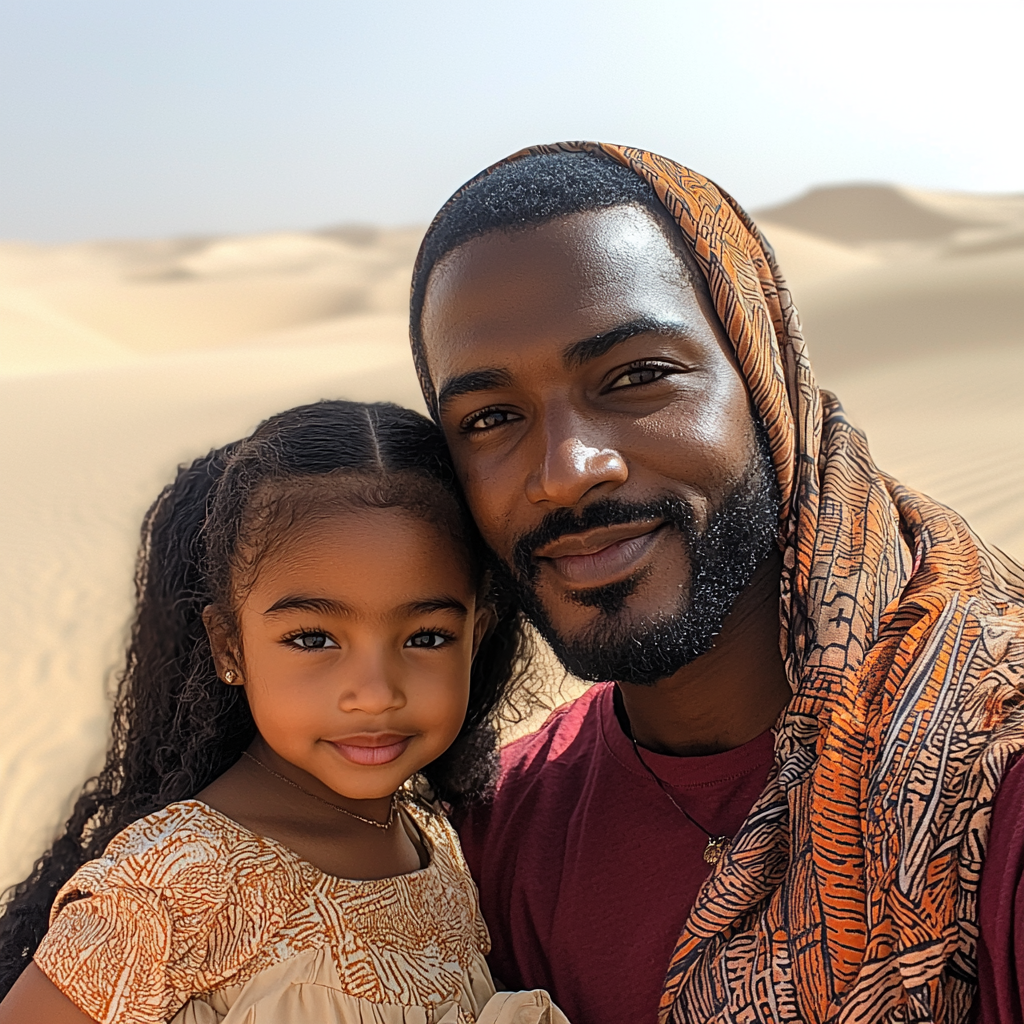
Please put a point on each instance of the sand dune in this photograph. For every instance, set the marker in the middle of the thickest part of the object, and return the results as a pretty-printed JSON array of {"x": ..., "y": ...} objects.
[
  {"x": 135, "y": 299},
  {"x": 875, "y": 215},
  {"x": 119, "y": 360}
]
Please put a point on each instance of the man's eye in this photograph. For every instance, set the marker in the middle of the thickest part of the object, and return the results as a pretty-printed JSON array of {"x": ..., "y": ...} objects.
[
  {"x": 635, "y": 375},
  {"x": 428, "y": 639},
  {"x": 488, "y": 418},
  {"x": 312, "y": 641}
]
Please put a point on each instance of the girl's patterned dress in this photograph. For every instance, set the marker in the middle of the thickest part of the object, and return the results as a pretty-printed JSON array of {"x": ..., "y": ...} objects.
[{"x": 189, "y": 917}]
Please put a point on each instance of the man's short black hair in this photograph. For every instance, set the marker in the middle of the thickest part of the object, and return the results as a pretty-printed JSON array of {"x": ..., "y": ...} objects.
[{"x": 523, "y": 193}]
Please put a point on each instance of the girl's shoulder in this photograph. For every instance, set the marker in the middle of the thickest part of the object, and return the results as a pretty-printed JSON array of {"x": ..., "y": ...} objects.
[
  {"x": 186, "y": 821},
  {"x": 187, "y": 847}
]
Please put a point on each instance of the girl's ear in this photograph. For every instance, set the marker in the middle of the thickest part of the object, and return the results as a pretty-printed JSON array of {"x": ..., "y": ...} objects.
[
  {"x": 223, "y": 645},
  {"x": 486, "y": 620}
]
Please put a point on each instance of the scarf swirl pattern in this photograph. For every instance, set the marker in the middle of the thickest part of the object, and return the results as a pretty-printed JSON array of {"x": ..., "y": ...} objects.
[{"x": 850, "y": 892}]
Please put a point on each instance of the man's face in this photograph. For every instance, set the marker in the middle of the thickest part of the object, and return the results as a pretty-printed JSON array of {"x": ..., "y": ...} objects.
[{"x": 603, "y": 436}]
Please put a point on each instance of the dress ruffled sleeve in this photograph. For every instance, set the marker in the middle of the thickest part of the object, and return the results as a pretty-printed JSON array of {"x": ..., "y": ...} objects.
[
  {"x": 130, "y": 934},
  {"x": 110, "y": 953}
]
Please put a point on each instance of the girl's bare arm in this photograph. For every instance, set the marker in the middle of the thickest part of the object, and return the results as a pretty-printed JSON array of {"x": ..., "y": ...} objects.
[{"x": 34, "y": 999}]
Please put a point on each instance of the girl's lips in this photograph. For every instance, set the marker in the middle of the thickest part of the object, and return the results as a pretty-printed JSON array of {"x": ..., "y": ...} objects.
[{"x": 369, "y": 750}]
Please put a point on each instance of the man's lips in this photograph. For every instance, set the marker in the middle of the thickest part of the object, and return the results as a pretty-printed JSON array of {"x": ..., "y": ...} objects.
[
  {"x": 371, "y": 748},
  {"x": 602, "y": 555}
]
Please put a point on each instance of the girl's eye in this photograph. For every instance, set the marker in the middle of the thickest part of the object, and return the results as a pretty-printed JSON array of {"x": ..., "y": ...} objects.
[
  {"x": 429, "y": 639},
  {"x": 644, "y": 373},
  {"x": 488, "y": 418},
  {"x": 312, "y": 640}
]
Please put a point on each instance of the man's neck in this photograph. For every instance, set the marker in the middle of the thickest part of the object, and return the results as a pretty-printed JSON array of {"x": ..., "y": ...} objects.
[{"x": 727, "y": 696}]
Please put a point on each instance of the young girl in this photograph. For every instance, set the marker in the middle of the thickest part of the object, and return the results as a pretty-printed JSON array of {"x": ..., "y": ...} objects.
[{"x": 313, "y": 672}]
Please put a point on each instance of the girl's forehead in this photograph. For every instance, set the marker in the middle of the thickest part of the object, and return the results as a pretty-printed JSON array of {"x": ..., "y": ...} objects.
[{"x": 365, "y": 559}]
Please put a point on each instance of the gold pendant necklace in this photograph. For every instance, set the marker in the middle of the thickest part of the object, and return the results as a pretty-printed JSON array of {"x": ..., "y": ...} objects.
[
  {"x": 384, "y": 825},
  {"x": 717, "y": 845}
]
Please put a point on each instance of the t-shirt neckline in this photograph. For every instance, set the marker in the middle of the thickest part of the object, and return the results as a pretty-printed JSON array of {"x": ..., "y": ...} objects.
[{"x": 690, "y": 772}]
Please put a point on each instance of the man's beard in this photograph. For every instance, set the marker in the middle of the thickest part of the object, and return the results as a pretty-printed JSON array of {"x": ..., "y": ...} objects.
[{"x": 739, "y": 535}]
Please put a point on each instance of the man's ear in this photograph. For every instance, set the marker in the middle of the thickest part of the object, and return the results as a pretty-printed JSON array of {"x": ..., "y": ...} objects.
[
  {"x": 223, "y": 645},
  {"x": 486, "y": 620}
]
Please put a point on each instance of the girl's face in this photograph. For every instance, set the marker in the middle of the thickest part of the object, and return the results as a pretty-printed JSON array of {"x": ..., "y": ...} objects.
[{"x": 356, "y": 645}]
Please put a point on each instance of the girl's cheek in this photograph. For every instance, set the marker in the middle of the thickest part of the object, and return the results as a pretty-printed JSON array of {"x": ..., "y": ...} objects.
[
  {"x": 456, "y": 700},
  {"x": 442, "y": 697},
  {"x": 280, "y": 689}
]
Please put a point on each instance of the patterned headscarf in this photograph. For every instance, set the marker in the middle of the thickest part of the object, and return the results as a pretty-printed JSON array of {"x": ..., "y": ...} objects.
[{"x": 850, "y": 892}]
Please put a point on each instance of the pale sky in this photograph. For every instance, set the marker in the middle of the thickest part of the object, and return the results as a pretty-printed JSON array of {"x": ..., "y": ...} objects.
[{"x": 132, "y": 118}]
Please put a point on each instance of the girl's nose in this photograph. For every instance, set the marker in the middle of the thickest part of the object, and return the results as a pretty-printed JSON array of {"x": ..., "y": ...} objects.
[
  {"x": 572, "y": 464},
  {"x": 370, "y": 686}
]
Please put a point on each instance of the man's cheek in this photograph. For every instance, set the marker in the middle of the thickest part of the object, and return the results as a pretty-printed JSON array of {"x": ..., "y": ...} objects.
[
  {"x": 501, "y": 542},
  {"x": 491, "y": 501}
]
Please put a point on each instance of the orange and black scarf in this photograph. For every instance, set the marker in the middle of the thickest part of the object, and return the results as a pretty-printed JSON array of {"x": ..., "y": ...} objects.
[{"x": 850, "y": 892}]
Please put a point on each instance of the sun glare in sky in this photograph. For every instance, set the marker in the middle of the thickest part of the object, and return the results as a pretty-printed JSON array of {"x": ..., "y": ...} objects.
[{"x": 129, "y": 118}]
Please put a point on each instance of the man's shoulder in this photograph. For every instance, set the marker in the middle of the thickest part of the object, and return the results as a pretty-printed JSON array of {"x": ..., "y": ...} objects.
[
  {"x": 569, "y": 737},
  {"x": 542, "y": 774}
]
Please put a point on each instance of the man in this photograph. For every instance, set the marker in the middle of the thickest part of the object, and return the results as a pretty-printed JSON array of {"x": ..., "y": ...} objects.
[{"x": 780, "y": 809}]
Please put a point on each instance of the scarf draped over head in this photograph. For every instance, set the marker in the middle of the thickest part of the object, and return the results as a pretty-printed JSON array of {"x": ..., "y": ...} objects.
[{"x": 850, "y": 892}]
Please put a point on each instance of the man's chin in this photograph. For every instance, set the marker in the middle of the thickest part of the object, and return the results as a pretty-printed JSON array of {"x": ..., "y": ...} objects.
[
  {"x": 625, "y": 646},
  {"x": 589, "y": 627}
]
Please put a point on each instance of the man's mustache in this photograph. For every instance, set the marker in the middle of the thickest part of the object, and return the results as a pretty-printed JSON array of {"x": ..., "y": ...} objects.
[{"x": 603, "y": 512}]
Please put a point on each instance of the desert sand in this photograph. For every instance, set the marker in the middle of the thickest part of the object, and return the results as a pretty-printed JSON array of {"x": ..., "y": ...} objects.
[{"x": 120, "y": 360}]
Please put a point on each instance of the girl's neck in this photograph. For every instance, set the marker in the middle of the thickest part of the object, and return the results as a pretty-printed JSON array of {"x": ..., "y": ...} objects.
[
  {"x": 311, "y": 820},
  {"x": 301, "y": 782}
]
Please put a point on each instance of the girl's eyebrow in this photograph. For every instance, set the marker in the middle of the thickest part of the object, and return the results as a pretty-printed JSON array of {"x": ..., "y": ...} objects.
[
  {"x": 324, "y": 605},
  {"x": 329, "y": 606},
  {"x": 442, "y": 603}
]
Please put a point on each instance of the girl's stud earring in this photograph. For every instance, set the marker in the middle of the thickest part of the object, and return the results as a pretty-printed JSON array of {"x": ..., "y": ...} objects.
[{"x": 229, "y": 677}]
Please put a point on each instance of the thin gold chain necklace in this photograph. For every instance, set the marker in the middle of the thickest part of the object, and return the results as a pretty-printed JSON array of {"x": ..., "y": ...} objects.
[
  {"x": 717, "y": 845},
  {"x": 392, "y": 810}
]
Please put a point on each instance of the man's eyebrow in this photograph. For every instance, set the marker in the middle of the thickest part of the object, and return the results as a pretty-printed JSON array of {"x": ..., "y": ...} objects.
[
  {"x": 296, "y": 602},
  {"x": 474, "y": 380},
  {"x": 580, "y": 352}
]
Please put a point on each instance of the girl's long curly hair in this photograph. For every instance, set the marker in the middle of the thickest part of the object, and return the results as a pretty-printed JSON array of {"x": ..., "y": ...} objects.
[{"x": 176, "y": 726}]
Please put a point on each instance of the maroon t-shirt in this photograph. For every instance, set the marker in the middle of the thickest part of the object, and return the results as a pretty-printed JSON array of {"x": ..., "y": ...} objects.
[
  {"x": 587, "y": 872},
  {"x": 1001, "y": 908}
]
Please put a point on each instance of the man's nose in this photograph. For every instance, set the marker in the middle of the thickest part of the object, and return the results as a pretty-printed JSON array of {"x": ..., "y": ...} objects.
[
  {"x": 571, "y": 464},
  {"x": 371, "y": 685}
]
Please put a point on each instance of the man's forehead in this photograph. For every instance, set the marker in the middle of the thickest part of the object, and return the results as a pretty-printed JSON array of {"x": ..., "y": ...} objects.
[
  {"x": 571, "y": 278},
  {"x": 601, "y": 243}
]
